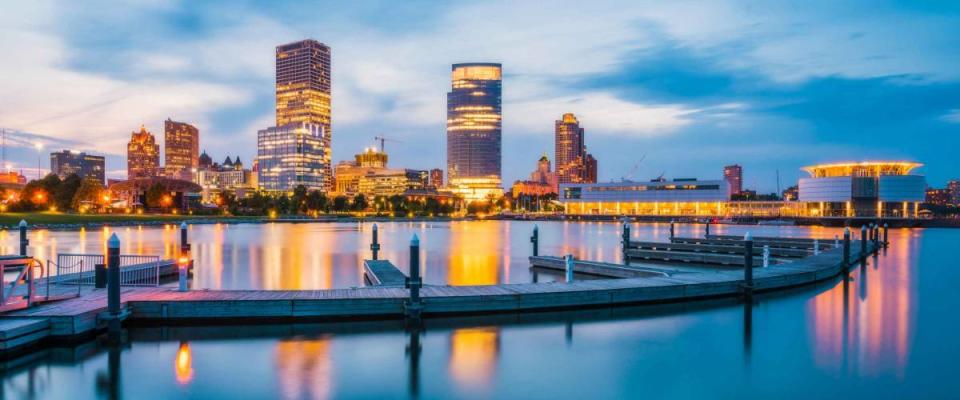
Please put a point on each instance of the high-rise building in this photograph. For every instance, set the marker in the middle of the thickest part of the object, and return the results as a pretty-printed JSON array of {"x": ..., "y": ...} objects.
[
  {"x": 303, "y": 89},
  {"x": 543, "y": 181},
  {"x": 436, "y": 178},
  {"x": 143, "y": 155},
  {"x": 954, "y": 188},
  {"x": 291, "y": 155},
  {"x": 87, "y": 166},
  {"x": 474, "y": 130},
  {"x": 733, "y": 174},
  {"x": 574, "y": 164},
  {"x": 181, "y": 150}
]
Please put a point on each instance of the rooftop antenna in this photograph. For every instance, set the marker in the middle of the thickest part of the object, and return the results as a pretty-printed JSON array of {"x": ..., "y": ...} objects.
[{"x": 778, "y": 182}]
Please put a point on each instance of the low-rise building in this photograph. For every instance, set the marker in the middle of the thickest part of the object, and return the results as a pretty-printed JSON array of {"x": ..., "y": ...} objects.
[
  {"x": 67, "y": 162},
  {"x": 863, "y": 189}
]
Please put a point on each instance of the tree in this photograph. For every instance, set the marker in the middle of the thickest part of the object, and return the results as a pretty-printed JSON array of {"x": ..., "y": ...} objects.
[
  {"x": 63, "y": 196},
  {"x": 340, "y": 203},
  {"x": 317, "y": 201},
  {"x": 299, "y": 199},
  {"x": 359, "y": 202},
  {"x": 154, "y": 196},
  {"x": 283, "y": 205},
  {"x": 396, "y": 203},
  {"x": 90, "y": 191}
]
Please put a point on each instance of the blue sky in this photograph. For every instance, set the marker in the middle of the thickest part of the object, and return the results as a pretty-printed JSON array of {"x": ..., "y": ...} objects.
[{"x": 687, "y": 87}]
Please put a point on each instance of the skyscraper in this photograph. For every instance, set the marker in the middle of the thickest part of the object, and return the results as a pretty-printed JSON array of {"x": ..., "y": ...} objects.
[
  {"x": 303, "y": 90},
  {"x": 292, "y": 155},
  {"x": 143, "y": 155},
  {"x": 87, "y": 166},
  {"x": 181, "y": 150},
  {"x": 574, "y": 165},
  {"x": 953, "y": 187},
  {"x": 733, "y": 174},
  {"x": 474, "y": 130}
]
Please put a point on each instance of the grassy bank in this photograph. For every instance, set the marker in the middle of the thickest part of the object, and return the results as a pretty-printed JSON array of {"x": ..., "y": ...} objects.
[{"x": 56, "y": 218}]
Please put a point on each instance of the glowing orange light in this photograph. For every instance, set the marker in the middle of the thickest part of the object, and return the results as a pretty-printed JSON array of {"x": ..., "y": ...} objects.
[{"x": 184, "y": 364}]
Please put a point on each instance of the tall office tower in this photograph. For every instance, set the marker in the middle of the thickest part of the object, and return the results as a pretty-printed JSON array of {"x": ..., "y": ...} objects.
[
  {"x": 733, "y": 174},
  {"x": 474, "y": 130},
  {"x": 574, "y": 164},
  {"x": 292, "y": 155},
  {"x": 87, "y": 166},
  {"x": 143, "y": 155},
  {"x": 303, "y": 89},
  {"x": 181, "y": 150}
]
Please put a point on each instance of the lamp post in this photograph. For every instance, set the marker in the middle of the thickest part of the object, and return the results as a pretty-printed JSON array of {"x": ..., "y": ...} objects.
[{"x": 39, "y": 147}]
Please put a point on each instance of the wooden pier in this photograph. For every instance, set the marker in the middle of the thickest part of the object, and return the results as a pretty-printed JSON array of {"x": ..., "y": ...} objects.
[
  {"x": 720, "y": 249},
  {"x": 85, "y": 314},
  {"x": 595, "y": 268},
  {"x": 774, "y": 244}
]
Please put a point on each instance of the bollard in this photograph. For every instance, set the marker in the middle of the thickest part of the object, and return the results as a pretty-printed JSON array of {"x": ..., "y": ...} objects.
[
  {"x": 886, "y": 228},
  {"x": 846, "y": 247},
  {"x": 375, "y": 244},
  {"x": 706, "y": 235},
  {"x": 535, "y": 241},
  {"x": 23, "y": 238},
  {"x": 816, "y": 247},
  {"x": 671, "y": 229},
  {"x": 113, "y": 275},
  {"x": 183, "y": 264},
  {"x": 569, "y": 264},
  {"x": 414, "y": 282},
  {"x": 626, "y": 243},
  {"x": 766, "y": 255},
  {"x": 748, "y": 262},
  {"x": 836, "y": 241},
  {"x": 876, "y": 236},
  {"x": 184, "y": 245},
  {"x": 863, "y": 241}
]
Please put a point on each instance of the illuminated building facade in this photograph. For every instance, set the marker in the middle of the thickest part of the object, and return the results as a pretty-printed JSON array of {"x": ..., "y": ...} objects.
[
  {"x": 954, "y": 188},
  {"x": 542, "y": 181},
  {"x": 436, "y": 178},
  {"x": 291, "y": 155},
  {"x": 574, "y": 164},
  {"x": 143, "y": 155},
  {"x": 733, "y": 174},
  {"x": 940, "y": 197},
  {"x": 863, "y": 189},
  {"x": 676, "y": 197},
  {"x": 368, "y": 175},
  {"x": 303, "y": 85},
  {"x": 87, "y": 166},
  {"x": 230, "y": 177},
  {"x": 474, "y": 130},
  {"x": 181, "y": 150}
]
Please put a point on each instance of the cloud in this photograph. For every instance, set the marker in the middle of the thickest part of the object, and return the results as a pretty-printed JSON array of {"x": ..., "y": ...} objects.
[
  {"x": 952, "y": 116},
  {"x": 598, "y": 112}
]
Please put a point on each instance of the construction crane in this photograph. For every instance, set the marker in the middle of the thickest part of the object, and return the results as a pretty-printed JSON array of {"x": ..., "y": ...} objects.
[
  {"x": 382, "y": 139},
  {"x": 633, "y": 170}
]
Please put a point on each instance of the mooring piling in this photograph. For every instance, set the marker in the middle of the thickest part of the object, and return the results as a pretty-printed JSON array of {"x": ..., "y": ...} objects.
[
  {"x": 886, "y": 228},
  {"x": 535, "y": 241},
  {"x": 846, "y": 247},
  {"x": 863, "y": 241},
  {"x": 568, "y": 260},
  {"x": 113, "y": 282},
  {"x": 748, "y": 262},
  {"x": 183, "y": 263},
  {"x": 672, "y": 231},
  {"x": 706, "y": 233},
  {"x": 766, "y": 255},
  {"x": 414, "y": 282},
  {"x": 816, "y": 247},
  {"x": 374, "y": 243},
  {"x": 625, "y": 241}
]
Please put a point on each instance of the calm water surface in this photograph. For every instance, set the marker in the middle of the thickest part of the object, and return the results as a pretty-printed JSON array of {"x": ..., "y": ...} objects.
[{"x": 888, "y": 332}]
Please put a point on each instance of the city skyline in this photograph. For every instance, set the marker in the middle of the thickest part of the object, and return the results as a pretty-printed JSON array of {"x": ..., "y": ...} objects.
[{"x": 681, "y": 93}]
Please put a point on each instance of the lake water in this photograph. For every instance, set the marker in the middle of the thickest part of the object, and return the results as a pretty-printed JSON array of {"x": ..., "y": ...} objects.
[{"x": 887, "y": 332}]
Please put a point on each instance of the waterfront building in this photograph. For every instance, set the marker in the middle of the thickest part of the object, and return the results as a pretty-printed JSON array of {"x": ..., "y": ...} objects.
[
  {"x": 66, "y": 162},
  {"x": 659, "y": 197},
  {"x": 863, "y": 189},
  {"x": 953, "y": 187},
  {"x": 574, "y": 164},
  {"x": 230, "y": 177},
  {"x": 143, "y": 155},
  {"x": 181, "y": 150},
  {"x": 474, "y": 131},
  {"x": 436, "y": 178},
  {"x": 368, "y": 174},
  {"x": 940, "y": 197},
  {"x": 543, "y": 181},
  {"x": 303, "y": 91},
  {"x": 291, "y": 155},
  {"x": 733, "y": 174},
  {"x": 177, "y": 193}
]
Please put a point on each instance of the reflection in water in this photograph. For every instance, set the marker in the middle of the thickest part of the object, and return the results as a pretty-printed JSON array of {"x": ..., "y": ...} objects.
[
  {"x": 413, "y": 354},
  {"x": 470, "y": 260},
  {"x": 303, "y": 368},
  {"x": 183, "y": 366},
  {"x": 473, "y": 356},
  {"x": 867, "y": 333}
]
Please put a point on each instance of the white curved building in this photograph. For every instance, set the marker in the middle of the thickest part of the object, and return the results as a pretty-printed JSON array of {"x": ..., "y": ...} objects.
[{"x": 863, "y": 189}]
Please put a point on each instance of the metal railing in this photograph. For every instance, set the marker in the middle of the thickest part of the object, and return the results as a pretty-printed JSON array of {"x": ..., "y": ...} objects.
[
  {"x": 80, "y": 269},
  {"x": 10, "y": 295}
]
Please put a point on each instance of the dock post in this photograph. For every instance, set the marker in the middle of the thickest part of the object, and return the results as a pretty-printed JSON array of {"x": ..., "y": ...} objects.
[
  {"x": 876, "y": 237},
  {"x": 863, "y": 241},
  {"x": 626, "y": 243},
  {"x": 184, "y": 261},
  {"x": 671, "y": 229},
  {"x": 846, "y": 247},
  {"x": 113, "y": 282},
  {"x": 836, "y": 241},
  {"x": 748, "y": 263},
  {"x": 23, "y": 238},
  {"x": 706, "y": 234},
  {"x": 569, "y": 263},
  {"x": 414, "y": 282},
  {"x": 766, "y": 255},
  {"x": 535, "y": 241},
  {"x": 816, "y": 247},
  {"x": 886, "y": 228},
  {"x": 375, "y": 244}
]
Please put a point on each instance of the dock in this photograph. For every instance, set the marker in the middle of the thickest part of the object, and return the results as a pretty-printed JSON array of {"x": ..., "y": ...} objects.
[
  {"x": 773, "y": 244},
  {"x": 595, "y": 268},
  {"x": 719, "y": 249},
  {"x": 386, "y": 298},
  {"x": 383, "y": 273}
]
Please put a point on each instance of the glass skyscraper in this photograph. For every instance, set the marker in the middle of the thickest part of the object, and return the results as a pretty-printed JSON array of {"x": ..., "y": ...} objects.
[
  {"x": 87, "y": 166},
  {"x": 474, "y": 129},
  {"x": 292, "y": 155},
  {"x": 574, "y": 164},
  {"x": 181, "y": 150}
]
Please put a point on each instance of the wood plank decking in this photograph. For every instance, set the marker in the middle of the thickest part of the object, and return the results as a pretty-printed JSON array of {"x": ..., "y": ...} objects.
[{"x": 383, "y": 273}]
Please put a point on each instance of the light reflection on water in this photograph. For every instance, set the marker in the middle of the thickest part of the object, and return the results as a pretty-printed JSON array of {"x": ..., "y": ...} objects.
[{"x": 855, "y": 337}]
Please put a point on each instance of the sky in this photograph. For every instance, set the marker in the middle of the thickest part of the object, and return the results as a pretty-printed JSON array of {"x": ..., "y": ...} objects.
[{"x": 676, "y": 88}]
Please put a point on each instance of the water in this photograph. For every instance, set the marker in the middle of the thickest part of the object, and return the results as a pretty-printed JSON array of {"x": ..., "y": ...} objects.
[{"x": 888, "y": 332}]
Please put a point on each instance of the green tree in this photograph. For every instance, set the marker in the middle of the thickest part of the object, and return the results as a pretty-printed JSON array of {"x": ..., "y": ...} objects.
[
  {"x": 89, "y": 191},
  {"x": 396, "y": 204},
  {"x": 63, "y": 196},
  {"x": 360, "y": 202},
  {"x": 283, "y": 205},
  {"x": 299, "y": 200},
  {"x": 316, "y": 200},
  {"x": 340, "y": 203}
]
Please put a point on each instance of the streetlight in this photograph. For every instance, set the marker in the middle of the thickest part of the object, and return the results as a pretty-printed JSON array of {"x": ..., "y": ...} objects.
[{"x": 39, "y": 147}]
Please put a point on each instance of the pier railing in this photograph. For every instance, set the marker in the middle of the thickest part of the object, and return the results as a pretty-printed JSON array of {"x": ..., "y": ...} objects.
[{"x": 80, "y": 269}]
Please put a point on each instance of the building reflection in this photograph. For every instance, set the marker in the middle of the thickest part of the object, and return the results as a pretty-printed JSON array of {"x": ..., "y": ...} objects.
[
  {"x": 867, "y": 332},
  {"x": 304, "y": 369},
  {"x": 472, "y": 256},
  {"x": 473, "y": 356}
]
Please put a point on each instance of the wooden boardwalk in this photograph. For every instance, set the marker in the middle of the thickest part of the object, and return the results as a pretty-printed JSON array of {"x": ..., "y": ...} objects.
[
  {"x": 720, "y": 249},
  {"x": 383, "y": 273},
  {"x": 85, "y": 314},
  {"x": 596, "y": 268}
]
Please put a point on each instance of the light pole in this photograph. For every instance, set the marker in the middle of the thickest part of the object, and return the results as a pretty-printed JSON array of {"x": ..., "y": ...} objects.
[{"x": 39, "y": 147}]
